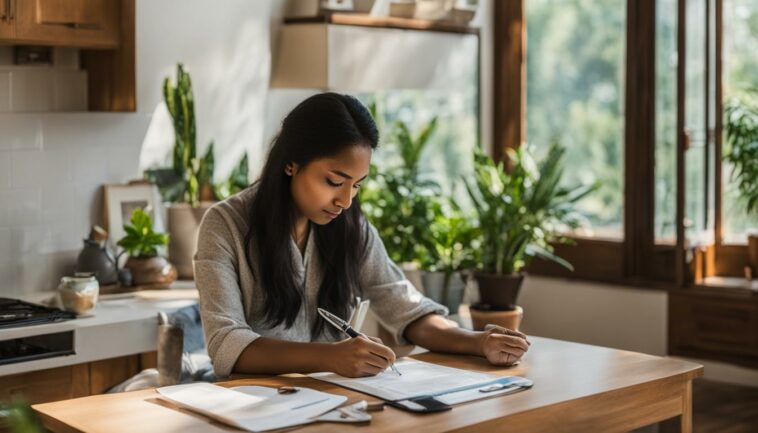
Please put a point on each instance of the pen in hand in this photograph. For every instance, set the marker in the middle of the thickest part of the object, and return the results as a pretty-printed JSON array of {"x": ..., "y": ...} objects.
[{"x": 346, "y": 328}]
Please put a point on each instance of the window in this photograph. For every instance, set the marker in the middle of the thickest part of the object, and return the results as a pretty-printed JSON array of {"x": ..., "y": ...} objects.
[
  {"x": 665, "y": 121},
  {"x": 574, "y": 90},
  {"x": 740, "y": 73}
]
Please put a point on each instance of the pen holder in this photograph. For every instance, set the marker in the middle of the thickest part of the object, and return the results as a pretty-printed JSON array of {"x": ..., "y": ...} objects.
[{"x": 170, "y": 345}]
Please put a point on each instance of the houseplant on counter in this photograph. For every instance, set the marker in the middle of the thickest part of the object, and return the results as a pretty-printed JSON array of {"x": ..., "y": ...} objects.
[
  {"x": 188, "y": 186},
  {"x": 453, "y": 251},
  {"x": 519, "y": 214},
  {"x": 741, "y": 127},
  {"x": 141, "y": 243}
]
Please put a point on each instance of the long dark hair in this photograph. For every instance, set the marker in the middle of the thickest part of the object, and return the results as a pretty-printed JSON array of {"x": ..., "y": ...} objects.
[{"x": 319, "y": 127}]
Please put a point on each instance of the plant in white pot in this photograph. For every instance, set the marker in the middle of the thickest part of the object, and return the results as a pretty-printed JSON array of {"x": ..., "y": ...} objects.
[
  {"x": 188, "y": 186},
  {"x": 452, "y": 252},
  {"x": 741, "y": 127},
  {"x": 141, "y": 242},
  {"x": 520, "y": 212}
]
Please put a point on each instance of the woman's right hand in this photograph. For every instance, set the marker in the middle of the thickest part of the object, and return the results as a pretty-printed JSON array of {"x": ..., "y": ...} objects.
[{"x": 360, "y": 357}]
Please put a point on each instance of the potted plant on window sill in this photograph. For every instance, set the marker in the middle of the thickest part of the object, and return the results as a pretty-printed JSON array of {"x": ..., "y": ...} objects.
[
  {"x": 141, "y": 243},
  {"x": 520, "y": 212},
  {"x": 741, "y": 127}
]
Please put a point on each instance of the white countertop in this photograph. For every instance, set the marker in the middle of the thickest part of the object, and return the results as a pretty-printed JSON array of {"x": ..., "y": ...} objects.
[{"x": 119, "y": 325}]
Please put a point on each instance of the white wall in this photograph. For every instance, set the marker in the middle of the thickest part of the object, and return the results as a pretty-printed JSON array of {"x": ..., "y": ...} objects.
[
  {"x": 52, "y": 165},
  {"x": 614, "y": 316},
  {"x": 628, "y": 318}
]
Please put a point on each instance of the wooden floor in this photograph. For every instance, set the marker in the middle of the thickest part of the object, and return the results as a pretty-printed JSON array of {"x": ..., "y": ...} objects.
[{"x": 724, "y": 408}]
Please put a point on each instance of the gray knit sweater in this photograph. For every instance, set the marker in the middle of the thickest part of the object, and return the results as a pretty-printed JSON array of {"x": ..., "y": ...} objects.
[{"x": 230, "y": 296}]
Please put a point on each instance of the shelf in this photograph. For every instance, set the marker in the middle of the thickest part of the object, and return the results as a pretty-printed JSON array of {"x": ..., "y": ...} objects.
[{"x": 386, "y": 22}]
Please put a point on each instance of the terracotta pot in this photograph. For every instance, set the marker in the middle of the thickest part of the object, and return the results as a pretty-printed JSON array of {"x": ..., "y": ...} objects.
[
  {"x": 183, "y": 223},
  {"x": 752, "y": 253},
  {"x": 481, "y": 316},
  {"x": 450, "y": 296},
  {"x": 151, "y": 271},
  {"x": 499, "y": 291}
]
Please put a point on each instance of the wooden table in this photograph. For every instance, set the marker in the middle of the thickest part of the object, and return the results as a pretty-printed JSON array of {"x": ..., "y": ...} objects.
[{"x": 577, "y": 388}]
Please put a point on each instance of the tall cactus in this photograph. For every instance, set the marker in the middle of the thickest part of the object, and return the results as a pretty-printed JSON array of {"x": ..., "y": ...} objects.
[{"x": 181, "y": 105}]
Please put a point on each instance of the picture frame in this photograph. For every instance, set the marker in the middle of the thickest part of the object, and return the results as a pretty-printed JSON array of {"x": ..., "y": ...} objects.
[{"x": 119, "y": 201}]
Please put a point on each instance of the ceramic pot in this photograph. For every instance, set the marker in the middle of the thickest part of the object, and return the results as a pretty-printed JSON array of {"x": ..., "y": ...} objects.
[
  {"x": 151, "y": 271},
  {"x": 482, "y": 315},
  {"x": 450, "y": 296},
  {"x": 96, "y": 258},
  {"x": 183, "y": 224},
  {"x": 499, "y": 291}
]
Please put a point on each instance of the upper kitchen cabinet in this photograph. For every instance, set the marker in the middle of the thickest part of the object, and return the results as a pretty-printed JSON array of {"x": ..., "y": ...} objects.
[
  {"x": 70, "y": 23},
  {"x": 101, "y": 31},
  {"x": 7, "y": 23}
]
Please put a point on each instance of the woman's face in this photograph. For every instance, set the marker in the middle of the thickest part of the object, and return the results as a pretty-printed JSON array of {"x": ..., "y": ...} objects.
[{"x": 325, "y": 187}]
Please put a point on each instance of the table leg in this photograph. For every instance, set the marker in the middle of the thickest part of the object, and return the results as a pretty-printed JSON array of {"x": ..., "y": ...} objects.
[{"x": 683, "y": 422}]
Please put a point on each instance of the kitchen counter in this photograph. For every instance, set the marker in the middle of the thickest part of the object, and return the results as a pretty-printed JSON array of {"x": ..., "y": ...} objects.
[{"x": 119, "y": 325}]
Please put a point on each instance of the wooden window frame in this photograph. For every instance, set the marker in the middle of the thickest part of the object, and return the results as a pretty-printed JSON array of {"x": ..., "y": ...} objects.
[{"x": 626, "y": 260}]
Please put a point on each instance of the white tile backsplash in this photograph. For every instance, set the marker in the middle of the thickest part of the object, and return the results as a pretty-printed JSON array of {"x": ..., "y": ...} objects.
[
  {"x": 37, "y": 168},
  {"x": 32, "y": 89},
  {"x": 70, "y": 90},
  {"x": 20, "y": 206},
  {"x": 20, "y": 131},
  {"x": 5, "y": 169},
  {"x": 5, "y": 91},
  {"x": 6, "y": 245}
]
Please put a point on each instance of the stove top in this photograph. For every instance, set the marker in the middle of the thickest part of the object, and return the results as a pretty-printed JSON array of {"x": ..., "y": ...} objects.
[{"x": 14, "y": 312}]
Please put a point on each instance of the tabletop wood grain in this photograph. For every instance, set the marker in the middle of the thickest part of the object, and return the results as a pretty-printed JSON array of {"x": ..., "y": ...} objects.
[{"x": 577, "y": 387}]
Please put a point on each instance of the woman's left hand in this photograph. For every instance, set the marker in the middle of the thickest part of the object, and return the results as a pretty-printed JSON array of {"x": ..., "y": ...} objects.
[{"x": 503, "y": 346}]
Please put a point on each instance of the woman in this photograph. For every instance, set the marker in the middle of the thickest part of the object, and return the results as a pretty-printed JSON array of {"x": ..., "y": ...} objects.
[{"x": 296, "y": 240}]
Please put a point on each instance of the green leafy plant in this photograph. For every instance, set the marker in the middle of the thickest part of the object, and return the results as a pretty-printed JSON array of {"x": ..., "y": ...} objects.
[
  {"x": 191, "y": 178},
  {"x": 520, "y": 212},
  {"x": 398, "y": 201},
  {"x": 19, "y": 417},
  {"x": 141, "y": 240},
  {"x": 741, "y": 127},
  {"x": 454, "y": 239},
  {"x": 236, "y": 182}
]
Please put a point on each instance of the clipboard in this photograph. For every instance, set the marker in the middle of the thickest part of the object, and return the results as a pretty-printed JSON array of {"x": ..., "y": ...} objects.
[{"x": 426, "y": 387}]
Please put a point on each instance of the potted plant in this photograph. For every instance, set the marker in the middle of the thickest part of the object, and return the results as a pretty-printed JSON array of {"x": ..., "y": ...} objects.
[
  {"x": 452, "y": 252},
  {"x": 520, "y": 212},
  {"x": 741, "y": 127},
  {"x": 141, "y": 243},
  {"x": 399, "y": 200},
  {"x": 188, "y": 186}
]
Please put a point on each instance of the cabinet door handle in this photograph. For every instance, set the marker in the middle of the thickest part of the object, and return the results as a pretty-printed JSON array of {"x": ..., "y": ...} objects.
[
  {"x": 84, "y": 26},
  {"x": 10, "y": 4}
]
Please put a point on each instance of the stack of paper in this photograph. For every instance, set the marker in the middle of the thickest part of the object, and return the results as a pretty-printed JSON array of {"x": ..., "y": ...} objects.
[
  {"x": 253, "y": 408},
  {"x": 448, "y": 385}
]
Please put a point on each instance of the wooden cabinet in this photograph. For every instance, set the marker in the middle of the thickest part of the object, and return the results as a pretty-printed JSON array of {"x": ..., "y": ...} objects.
[
  {"x": 711, "y": 325},
  {"x": 72, "y": 381},
  {"x": 72, "y": 23},
  {"x": 7, "y": 22}
]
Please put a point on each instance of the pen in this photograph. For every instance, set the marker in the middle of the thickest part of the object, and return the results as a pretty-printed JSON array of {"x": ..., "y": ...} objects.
[{"x": 347, "y": 329}]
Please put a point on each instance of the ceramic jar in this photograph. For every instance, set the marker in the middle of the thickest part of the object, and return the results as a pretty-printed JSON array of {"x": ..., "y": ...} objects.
[{"x": 78, "y": 294}]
